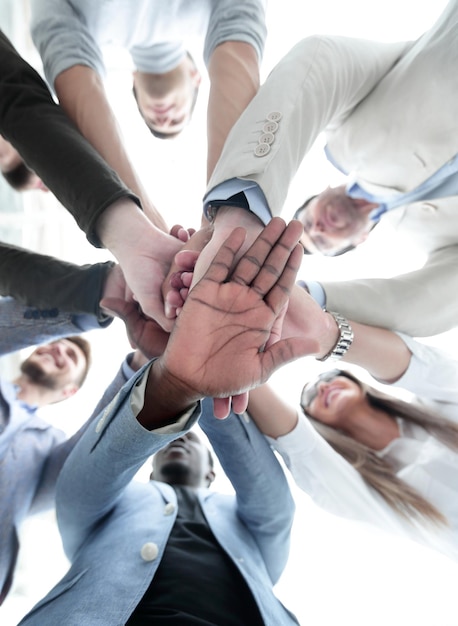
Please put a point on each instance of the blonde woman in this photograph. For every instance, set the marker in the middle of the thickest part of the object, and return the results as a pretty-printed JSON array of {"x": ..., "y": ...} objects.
[{"x": 365, "y": 454}]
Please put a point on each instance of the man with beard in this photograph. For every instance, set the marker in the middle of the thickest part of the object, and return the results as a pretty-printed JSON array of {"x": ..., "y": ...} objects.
[
  {"x": 53, "y": 372},
  {"x": 31, "y": 450}
]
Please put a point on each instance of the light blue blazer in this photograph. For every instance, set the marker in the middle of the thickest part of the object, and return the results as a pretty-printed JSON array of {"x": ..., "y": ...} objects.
[{"x": 114, "y": 529}]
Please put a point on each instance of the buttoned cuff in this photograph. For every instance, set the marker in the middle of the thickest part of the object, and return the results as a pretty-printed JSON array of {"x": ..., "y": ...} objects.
[{"x": 256, "y": 199}]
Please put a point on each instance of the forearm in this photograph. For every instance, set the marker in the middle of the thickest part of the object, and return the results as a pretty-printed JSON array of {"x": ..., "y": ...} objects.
[
  {"x": 271, "y": 414},
  {"x": 82, "y": 96},
  {"x": 264, "y": 500},
  {"x": 121, "y": 227},
  {"x": 234, "y": 80},
  {"x": 379, "y": 351},
  {"x": 313, "y": 87},
  {"x": 419, "y": 303}
]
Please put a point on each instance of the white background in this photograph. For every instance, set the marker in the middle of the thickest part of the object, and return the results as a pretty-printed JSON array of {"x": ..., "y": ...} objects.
[{"x": 339, "y": 572}]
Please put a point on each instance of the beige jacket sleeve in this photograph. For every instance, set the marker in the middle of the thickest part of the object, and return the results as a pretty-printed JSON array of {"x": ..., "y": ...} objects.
[{"x": 315, "y": 86}]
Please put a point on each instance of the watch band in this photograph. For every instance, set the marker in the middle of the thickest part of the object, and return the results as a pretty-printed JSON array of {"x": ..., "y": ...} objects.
[{"x": 343, "y": 342}]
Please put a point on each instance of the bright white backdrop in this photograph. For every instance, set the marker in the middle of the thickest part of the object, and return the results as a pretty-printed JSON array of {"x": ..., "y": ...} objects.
[{"x": 339, "y": 572}]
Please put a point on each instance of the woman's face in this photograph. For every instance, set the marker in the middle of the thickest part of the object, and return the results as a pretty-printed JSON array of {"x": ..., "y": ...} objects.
[{"x": 332, "y": 399}]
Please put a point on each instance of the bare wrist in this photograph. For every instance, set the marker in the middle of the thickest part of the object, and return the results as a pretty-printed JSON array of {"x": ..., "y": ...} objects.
[{"x": 120, "y": 222}]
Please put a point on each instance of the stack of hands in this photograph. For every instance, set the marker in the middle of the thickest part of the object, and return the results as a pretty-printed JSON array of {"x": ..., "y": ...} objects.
[{"x": 245, "y": 297}]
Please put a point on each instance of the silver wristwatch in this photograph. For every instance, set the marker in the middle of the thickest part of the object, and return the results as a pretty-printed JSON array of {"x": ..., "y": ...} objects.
[{"x": 343, "y": 342}]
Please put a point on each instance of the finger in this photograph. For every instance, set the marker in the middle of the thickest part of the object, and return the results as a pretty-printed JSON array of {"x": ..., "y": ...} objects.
[
  {"x": 283, "y": 352},
  {"x": 118, "y": 307},
  {"x": 252, "y": 261},
  {"x": 174, "y": 230},
  {"x": 179, "y": 232},
  {"x": 186, "y": 278},
  {"x": 174, "y": 298},
  {"x": 240, "y": 403},
  {"x": 183, "y": 235},
  {"x": 221, "y": 407},
  {"x": 278, "y": 258},
  {"x": 281, "y": 290},
  {"x": 170, "y": 311},
  {"x": 176, "y": 282},
  {"x": 221, "y": 266},
  {"x": 185, "y": 260},
  {"x": 184, "y": 294}
]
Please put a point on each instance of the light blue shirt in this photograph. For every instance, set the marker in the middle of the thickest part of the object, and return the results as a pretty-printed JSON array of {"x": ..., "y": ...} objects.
[{"x": 442, "y": 184}]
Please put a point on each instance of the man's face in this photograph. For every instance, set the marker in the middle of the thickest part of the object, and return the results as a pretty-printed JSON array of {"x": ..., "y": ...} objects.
[
  {"x": 166, "y": 100},
  {"x": 10, "y": 159},
  {"x": 185, "y": 461},
  {"x": 58, "y": 366},
  {"x": 333, "y": 221}
]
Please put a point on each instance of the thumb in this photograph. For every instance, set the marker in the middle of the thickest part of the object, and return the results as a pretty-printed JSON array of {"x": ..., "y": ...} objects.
[
  {"x": 117, "y": 307},
  {"x": 285, "y": 351}
]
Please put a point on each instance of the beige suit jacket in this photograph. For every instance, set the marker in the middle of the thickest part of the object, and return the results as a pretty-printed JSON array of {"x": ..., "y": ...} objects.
[{"x": 389, "y": 113}]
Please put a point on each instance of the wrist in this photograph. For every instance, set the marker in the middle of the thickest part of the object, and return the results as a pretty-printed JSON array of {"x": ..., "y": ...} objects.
[
  {"x": 229, "y": 216},
  {"x": 166, "y": 397},
  {"x": 339, "y": 337},
  {"x": 120, "y": 225}
]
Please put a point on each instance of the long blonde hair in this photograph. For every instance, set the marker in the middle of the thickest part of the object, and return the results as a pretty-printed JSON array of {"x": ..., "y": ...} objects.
[{"x": 378, "y": 472}]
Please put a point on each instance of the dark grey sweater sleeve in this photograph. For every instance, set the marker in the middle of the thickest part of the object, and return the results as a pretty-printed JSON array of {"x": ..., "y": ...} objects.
[
  {"x": 44, "y": 281},
  {"x": 51, "y": 145}
]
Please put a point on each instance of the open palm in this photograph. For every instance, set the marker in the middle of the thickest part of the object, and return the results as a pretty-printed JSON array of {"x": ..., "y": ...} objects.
[{"x": 220, "y": 343}]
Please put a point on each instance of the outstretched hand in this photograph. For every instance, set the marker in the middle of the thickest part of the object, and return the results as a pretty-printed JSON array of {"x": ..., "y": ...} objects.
[{"x": 220, "y": 346}]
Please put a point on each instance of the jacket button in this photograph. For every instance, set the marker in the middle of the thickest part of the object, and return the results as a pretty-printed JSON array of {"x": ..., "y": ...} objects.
[
  {"x": 274, "y": 116},
  {"x": 169, "y": 508},
  {"x": 149, "y": 551},
  {"x": 262, "y": 149},
  {"x": 267, "y": 138},
  {"x": 270, "y": 127}
]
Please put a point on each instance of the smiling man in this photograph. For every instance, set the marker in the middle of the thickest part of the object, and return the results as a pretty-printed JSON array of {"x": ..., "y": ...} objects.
[
  {"x": 31, "y": 450},
  {"x": 335, "y": 223},
  {"x": 53, "y": 372}
]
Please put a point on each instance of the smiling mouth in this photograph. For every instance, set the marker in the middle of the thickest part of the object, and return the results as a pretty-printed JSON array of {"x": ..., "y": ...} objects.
[
  {"x": 334, "y": 216},
  {"x": 330, "y": 393}
]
